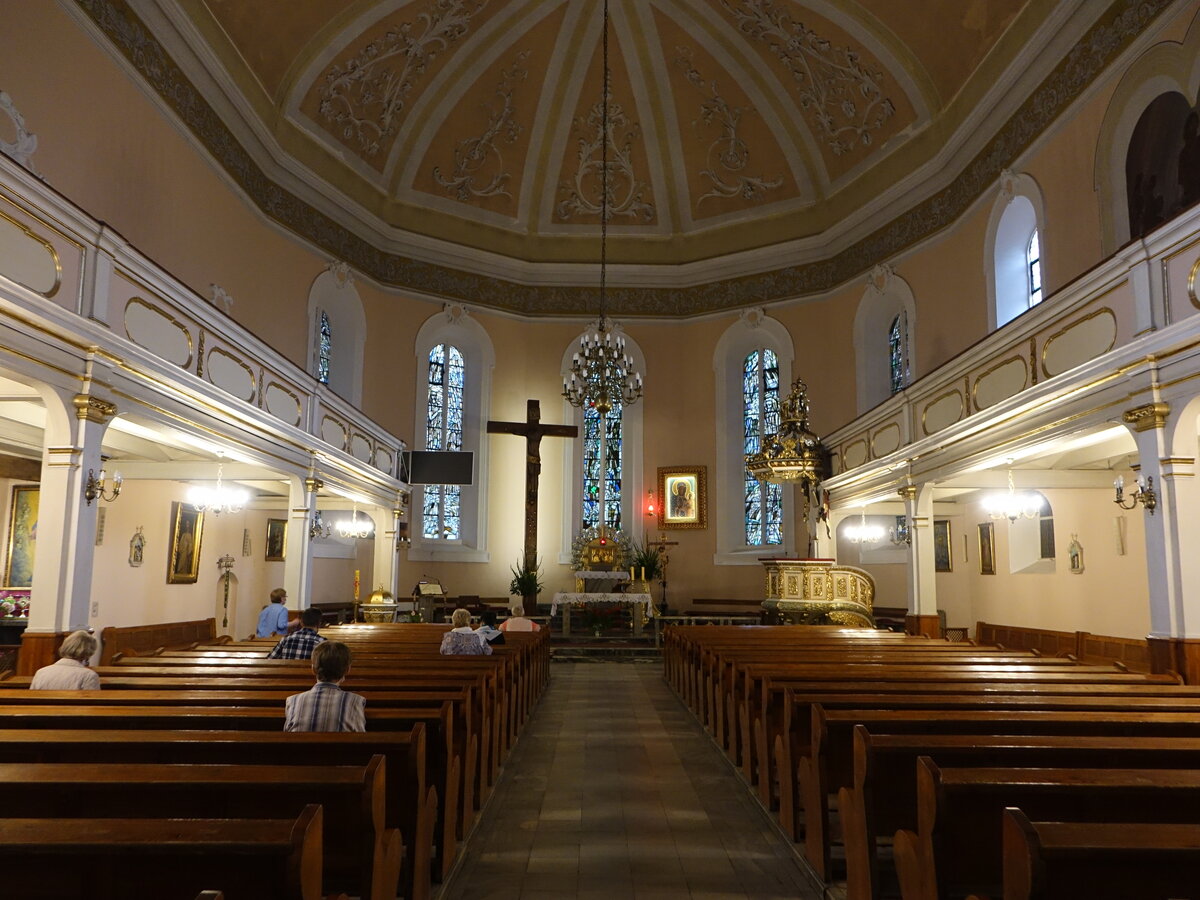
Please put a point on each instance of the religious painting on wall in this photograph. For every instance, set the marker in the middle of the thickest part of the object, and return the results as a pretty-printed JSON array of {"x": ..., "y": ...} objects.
[
  {"x": 987, "y": 548},
  {"x": 276, "y": 539},
  {"x": 187, "y": 525},
  {"x": 22, "y": 535},
  {"x": 942, "y": 557},
  {"x": 683, "y": 497}
]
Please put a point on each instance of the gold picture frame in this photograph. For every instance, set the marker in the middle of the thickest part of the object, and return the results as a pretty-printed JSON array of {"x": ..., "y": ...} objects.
[
  {"x": 276, "y": 543},
  {"x": 187, "y": 528},
  {"x": 943, "y": 555},
  {"x": 683, "y": 497},
  {"x": 987, "y": 548},
  {"x": 22, "y": 535}
]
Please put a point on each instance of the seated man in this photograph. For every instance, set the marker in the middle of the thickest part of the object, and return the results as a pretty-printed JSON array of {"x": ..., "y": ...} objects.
[
  {"x": 300, "y": 644},
  {"x": 70, "y": 673},
  {"x": 518, "y": 622},
  {"x": 462, "y": 640},
  {"x": 326, "y": 707},
  {"x": 273, "y": 619}
]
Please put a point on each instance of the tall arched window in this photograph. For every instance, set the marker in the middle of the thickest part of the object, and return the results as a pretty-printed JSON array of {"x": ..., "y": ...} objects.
[
  {"x": 453, "y": 377},
  {"x": 1016, "y": 267},
  {"x": 883, "y": 328},
  {"x": 608, "y": 469},
  {"x": 324, "y": 348},
  {"x": 1033, "y": 265},
  {"x": 760, "y": 420},
  {"x": 441, "y": 506},
  {"x": 898, "y": 353}
]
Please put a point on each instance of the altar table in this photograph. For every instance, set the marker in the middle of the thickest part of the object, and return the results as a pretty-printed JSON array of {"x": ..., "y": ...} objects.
[{"x": 567, "y": 600}]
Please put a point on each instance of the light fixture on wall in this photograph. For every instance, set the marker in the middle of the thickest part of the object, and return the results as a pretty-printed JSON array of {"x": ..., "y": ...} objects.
[
  {"x": 99, "y": 487},
  {"x": 602, "y": 373},
  {"x": 1142, "y": 492},
  {"x": 354, "y": 527},
  {"x": 651, "y": 510},
  {"x": 225, "y": 564},
  {"x": 862, "y": 533},
  {"x": 1012, "y": 505},
  {"x": 900, "y": 534},
  {"x": 218, "y": 499},
  {"x": 318, "y": 528}
]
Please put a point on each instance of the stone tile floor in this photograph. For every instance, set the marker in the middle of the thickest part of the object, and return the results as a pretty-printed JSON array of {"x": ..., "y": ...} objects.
[{"x": 614, "y": 791}]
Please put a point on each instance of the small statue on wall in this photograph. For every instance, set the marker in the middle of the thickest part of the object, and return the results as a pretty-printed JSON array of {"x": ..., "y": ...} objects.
[
  {"x": 1075, "y": 555},
  {"x": 137, "y": 547}
]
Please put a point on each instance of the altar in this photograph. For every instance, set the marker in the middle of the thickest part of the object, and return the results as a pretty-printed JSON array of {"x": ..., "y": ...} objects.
[{"x": 589, "y": 591}]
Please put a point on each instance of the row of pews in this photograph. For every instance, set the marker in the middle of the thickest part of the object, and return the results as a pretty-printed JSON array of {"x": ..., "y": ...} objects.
[
  {"x": 177, "y": 775},
  {"x": 934, "y": 770}
]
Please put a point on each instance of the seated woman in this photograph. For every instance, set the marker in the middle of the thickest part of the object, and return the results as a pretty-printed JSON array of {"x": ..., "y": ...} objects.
[
  {"x": 461, "y": 640},
  {"x": 70, "y": 672}
]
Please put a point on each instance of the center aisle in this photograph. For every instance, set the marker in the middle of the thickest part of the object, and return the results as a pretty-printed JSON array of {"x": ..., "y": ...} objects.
[{"x": 615, "y": 791}]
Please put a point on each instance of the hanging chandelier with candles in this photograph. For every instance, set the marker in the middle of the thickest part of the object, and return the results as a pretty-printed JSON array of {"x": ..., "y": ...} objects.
[
  {"x": 602, "y": 374},
  {"x": 862, "y": 533},
  {"x": 1012, "y": 505},
  {"x": 221, "y": 498},
  {"x": 354, "y": 527}
]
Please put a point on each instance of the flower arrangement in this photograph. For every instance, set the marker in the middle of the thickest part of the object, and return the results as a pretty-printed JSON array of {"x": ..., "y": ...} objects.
[{"x": 14, "y": 604}]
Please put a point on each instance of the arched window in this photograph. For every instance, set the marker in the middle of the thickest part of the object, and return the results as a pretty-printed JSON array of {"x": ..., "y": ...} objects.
[
  {"x": 454, "y": 361},
  {"x": 760, "y": 420},
  {"x": 883, "y": 328},
  {"x": 1016, "y": 265},
  {"x": 752, "y": 363},
  {"x": 324, "y": 348},
  {"x": 1161, "y": 165},
  {"x": 440, "y": 509},
  {"x": 609, "y": 469}
]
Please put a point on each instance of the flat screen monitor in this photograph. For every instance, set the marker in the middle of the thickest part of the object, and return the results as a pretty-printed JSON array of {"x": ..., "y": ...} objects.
[{"x": 440, "y": 467}]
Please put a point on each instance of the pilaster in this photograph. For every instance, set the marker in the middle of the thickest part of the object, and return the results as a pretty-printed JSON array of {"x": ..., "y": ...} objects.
[
  {"x": 297, "y": 566},
  {"x": 922, "y": 579}
]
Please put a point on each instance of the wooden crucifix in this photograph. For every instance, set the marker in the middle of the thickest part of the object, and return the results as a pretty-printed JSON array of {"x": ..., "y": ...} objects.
[{"x": 533, "y": 431}]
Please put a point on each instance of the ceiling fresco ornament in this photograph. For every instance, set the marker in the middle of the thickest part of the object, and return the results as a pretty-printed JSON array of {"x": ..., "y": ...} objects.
[
  {"x": 844, "y": 99},
  {"x": 626, "y": 194},
  {"x": 364, "y": 97},
  {"x": 1122, "y": 22},
  {"x": 728, "y": 155},
  {"x": 473, "y": 155}
]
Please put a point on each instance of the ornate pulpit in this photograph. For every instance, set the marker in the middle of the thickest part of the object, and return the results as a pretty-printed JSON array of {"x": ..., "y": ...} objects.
[{"x": 819, "y": 592}]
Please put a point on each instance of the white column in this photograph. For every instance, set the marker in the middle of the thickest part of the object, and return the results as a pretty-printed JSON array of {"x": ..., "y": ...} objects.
[
  {"x": 297, "y": 567},
  {"x": 62, "y": 570},
  {"x": 922, "y": 586},
  {"x": 385, "y": 569}
]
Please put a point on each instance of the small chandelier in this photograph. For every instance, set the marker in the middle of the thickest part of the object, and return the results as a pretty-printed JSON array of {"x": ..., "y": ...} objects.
[
  {"x": 1013, "y": 506},
  {"x": 354, "y": 528},
  {"x": 219, "y": 499},
  {"x": 862, "y": 533},
  {"x": 793, "y": 454},
  {"x": 602, "y": 373},
  {"x": 100, "y": 487},
  {"x": 1142, "y": 492}
]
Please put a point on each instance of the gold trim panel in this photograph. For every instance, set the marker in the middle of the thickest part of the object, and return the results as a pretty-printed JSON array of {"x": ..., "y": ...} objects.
[
  {"x": 962, "y": 407},
  {"x": 187, "y": 364},
  {"x": 280, "y": 387},
  {"x": 1092, "y": 315},
  {"x": 1191, "y": 283},
  {"x": 38, "y": 239},
  {"x": 875, "y": 452},
  {"x": 997, "y": 367},
  {"x": 229, "y": 356}
]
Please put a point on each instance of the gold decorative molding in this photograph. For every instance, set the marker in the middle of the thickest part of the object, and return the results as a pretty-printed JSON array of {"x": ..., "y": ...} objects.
[
  {"x": 1147, "y": 417},
  {"x": 1075, "y": 324},
  {"x": 93, "y": 409},
  {"x": 953, "y": 392},
  {"x": 907, "y": 491},
  {"x": 49, "y": 247},
  {"x": 313, "y": 485},
  {"x": 996, "y": 368},
  {"x": 1191, "y": 284}
]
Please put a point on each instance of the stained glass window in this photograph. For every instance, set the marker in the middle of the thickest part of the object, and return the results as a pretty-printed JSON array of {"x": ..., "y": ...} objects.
[
  {"x": 896, "y": 354},
  {"x": 441, "y": 518},
  {"x": 611, "y": 467},
  {"x": 1033, "y": 261},
  {"x": 760, "y": 420},
  {"x": 324, "y": 348}
]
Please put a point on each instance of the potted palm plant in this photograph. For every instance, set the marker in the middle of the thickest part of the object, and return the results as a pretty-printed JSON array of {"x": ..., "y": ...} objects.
[
  {"x": 646, "y": 561},
  {"x": 526, "y": 584}
]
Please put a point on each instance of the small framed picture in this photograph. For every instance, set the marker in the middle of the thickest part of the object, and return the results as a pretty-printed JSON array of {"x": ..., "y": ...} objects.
[
  {"x": 987, "y": 548},
  {"x": 276, "y": 539},
  {"x": 187, "y": 527},
  {"x": 943, "y": 559},
  {"x": 683, "y": 497}
]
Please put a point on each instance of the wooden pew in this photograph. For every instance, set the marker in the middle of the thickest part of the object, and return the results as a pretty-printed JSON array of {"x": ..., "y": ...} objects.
[
  {"x": 883, "y": 798},
  {"x": 115, "y": 859},
  {"x": 1100, "y": 861},
  {"x": 410, "y": 803},
  {"x": 957, "y": 847},
  {"x": 360, "y": 856}
]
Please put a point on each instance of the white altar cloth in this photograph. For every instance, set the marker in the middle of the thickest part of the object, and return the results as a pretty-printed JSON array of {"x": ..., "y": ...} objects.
[{"x": 565, "y": 599}]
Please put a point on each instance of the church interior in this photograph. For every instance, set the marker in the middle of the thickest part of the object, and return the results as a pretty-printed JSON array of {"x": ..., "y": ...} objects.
[{"x": 258, "y": 260}]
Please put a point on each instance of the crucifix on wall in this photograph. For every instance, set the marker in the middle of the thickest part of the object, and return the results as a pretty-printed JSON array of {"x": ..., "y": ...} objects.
[{"x": 533, "y": 431}]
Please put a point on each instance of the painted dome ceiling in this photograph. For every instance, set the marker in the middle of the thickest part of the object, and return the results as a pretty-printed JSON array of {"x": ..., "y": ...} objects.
[{"x": 464, "y": 136}]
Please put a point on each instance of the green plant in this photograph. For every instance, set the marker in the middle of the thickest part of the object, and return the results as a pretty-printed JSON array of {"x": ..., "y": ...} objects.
[
  {"x": 646, "y": 558},
  {"x": 526, "y": 581}
]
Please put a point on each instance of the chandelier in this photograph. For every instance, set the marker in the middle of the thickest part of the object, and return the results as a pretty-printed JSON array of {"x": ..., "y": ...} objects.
[
  {"x": 354, "y": 528},
  {"x": 862, "y": 533},
  {"x": 793, "y": 454},
  {"x": 602, "y": 373},
  {"x": 221, "y": 498},
  {"x": 1011, "y": 505}
]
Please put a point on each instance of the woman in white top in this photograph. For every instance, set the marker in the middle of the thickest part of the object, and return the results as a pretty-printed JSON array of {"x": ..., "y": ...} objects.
[{"x": 70, "y": 673}]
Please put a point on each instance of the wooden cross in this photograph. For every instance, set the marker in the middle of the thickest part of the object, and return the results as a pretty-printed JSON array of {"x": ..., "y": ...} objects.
[{"x": 533, "y": 430}]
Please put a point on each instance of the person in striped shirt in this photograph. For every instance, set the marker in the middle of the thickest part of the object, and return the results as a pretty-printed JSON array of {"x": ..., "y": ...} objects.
[
  {"x": 327, "y": 707},
  {"x": 301, "y": 644}
]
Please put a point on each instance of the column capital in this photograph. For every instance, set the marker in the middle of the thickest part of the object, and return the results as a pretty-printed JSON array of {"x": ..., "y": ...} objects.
[
  {"x": 313, "y": 485},
  {"x": 93, "y": 409},
  {"x": 907, "y": 491},
  {"x": 1148, "y": 416}
]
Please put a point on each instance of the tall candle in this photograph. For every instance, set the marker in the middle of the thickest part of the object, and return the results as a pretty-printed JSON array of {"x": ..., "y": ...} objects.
[
  {"x": 356, "y": 584},
  {"x": 643, "y": 573}
]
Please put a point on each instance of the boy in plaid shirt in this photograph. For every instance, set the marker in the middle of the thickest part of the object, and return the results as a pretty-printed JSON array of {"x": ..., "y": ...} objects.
[{"x": 302, "y": 643}]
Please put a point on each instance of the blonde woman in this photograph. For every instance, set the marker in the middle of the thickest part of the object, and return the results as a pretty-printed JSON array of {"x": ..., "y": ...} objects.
[{"x": 70, "y": 672}]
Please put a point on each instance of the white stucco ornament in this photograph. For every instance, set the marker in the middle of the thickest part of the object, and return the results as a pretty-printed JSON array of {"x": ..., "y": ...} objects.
[{"x": 22, "y": 148}]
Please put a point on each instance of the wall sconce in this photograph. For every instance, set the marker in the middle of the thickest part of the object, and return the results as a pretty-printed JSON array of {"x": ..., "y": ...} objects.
[
  {"x": 1142, "y": 493},
  {"x": 99, "y": 486},
  {"x": 318, "y": 528},
  {"x": 900, "y": 534},
  {"x": 650, "y": 510}
]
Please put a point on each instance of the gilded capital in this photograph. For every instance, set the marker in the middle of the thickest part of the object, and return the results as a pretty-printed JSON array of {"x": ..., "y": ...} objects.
[
  {"x": 313, "y": 485},
  {"x": 1147, "y": 417},
  {"x": 93, "y": 409},
  {"x": 907, "y": 491}
]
